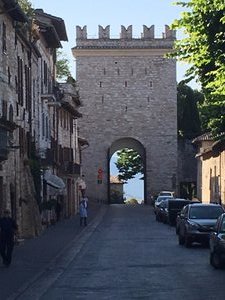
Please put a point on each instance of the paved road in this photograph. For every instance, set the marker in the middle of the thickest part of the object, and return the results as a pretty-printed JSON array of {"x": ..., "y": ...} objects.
[{"x": 129, "y": 256}]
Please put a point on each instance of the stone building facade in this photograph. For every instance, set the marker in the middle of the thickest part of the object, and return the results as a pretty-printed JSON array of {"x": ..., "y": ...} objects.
[
  {"x": 17, "y": 187},
  {"x": 211, "y": 169},
  {"x": 38, "y": 121},
  {"x": 116, "y": 190},
  {"x": 187, "y": 169},
  {"x": 128, "y": 90}
]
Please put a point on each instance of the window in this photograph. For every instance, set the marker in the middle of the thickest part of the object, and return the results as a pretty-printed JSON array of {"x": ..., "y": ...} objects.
[
  {"x": 11, "y": 113},
  {"x": 26, "y": 69},
  {"x": 20, "y": 80},
  {"x": 47, "y": 127},
  {"x": 45, "y": 73},
  {"x": 4, "y": 109},
  {"x": 206, "y": 212},
  {"x": 4, "y": 48},
  {"x": 9, "y": 76},
  {"x": 43, "y": 125}
]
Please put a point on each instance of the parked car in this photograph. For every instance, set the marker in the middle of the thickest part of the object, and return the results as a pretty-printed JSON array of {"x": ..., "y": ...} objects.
[
  {"x": 159, "y": 210},
  {"x": 171, "y": 208},
  {"x": 197, "y": 221},
  {"x": 181, "y": 214},
  {"x": 166, "y": 193},
  {"x": 217, "y": 244},
  {"x": 159, "y": 199}
]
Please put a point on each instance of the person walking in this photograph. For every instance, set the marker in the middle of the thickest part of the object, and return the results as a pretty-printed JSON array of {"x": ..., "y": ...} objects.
[
  {"x": 82, "y": 185},
  {"x": 83, "y": 211},
  {"x": 8, "y": 228}
]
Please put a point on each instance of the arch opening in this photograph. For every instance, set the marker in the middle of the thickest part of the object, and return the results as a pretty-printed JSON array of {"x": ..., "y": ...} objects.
[{"x": 124, "y": 185}]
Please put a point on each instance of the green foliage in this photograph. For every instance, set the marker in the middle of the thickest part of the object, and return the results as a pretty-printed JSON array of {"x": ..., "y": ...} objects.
[
  {"x": 62, "y": 66},
  {"x": 26, "y": 7},
  {"x": 188, "y": 121},
  {"x": 203, "y": 48},
  {"x": 116, "y": 196},
  {"x": 129, "y": 163},
  {"x": 131, "y": 201}
]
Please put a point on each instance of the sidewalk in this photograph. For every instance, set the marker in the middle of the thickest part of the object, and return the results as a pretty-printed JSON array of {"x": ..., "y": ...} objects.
[{"x": 33, "y": 256}]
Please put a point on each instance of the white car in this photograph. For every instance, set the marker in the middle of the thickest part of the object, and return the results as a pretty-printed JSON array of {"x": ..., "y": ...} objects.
[
  {"x": 166, "y": 193},
  {"x": 161, "y": 198}
]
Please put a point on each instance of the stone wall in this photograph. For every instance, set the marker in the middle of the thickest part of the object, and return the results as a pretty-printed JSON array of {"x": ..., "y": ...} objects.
[
  {"x": 187, "y": 166},
  {"x": 128, "y": 92}
]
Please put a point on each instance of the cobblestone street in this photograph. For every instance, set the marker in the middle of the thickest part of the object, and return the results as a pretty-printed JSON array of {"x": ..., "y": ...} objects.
[{"x": 128, "y": 255}]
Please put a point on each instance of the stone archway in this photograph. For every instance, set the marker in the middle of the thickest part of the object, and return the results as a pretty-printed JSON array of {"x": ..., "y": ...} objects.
[{"x": 131, "y": 143}]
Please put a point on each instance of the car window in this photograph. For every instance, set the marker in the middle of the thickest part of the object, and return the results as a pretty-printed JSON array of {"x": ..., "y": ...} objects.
[
  {"x": 185, "y": 212},
  {"x": 160, "y": 198},
  {"x": 205, "y": 212},
  {"x": 222, "y": 227},
  {"x": 166, "y": 194}
]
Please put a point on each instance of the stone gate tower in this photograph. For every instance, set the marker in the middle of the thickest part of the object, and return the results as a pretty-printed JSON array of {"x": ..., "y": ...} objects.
[{"x": 128, "y": 91}]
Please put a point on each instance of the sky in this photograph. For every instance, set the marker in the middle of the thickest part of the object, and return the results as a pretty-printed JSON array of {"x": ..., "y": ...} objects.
[{"x": 114, "y": 13}]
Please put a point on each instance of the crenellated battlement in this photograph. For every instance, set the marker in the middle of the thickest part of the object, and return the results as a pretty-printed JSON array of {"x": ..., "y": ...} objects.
[
  {"x": 126, "y": 33},
  {"x": 126, "y": 40}
]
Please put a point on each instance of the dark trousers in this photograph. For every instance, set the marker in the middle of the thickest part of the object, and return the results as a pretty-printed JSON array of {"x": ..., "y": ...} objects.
[
  {"x": 6, "y": 249},
  {"x": 83, "y": 220}
]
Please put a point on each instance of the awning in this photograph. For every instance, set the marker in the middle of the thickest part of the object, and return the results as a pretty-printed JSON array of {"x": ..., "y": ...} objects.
[{"x": 53, "y": 180}]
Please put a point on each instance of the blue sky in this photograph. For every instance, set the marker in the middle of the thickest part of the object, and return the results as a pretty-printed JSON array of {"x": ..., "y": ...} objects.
[{"x": 114, "y": 13}]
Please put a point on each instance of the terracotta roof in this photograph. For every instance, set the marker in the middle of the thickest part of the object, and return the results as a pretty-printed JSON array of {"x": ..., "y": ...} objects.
[
  {"x": 115, "y": 179},
  {"x": 204, "y": 137}
]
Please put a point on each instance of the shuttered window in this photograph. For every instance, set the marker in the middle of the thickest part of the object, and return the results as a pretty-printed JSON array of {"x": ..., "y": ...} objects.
[{"x": 4, "y": 48}]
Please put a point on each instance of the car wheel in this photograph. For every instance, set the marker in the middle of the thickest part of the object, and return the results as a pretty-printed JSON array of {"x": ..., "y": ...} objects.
[
  {"x": 187, "y": 241},
  {"x": 215, "y": 260},
  {"x": 181, "y": 239}
]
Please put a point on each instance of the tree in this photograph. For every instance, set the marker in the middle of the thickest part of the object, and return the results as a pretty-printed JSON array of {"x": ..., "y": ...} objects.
[
  {"x": 62, "y": 66},
  {"x": 131, "y": 201},
  {"x": 26, "y": 7},
  {"x": 62, "y": 63},
  {"x": 203, "y": 48},
  {"x": 188, "y": 120},
  {"x": 129, "y": 163}
]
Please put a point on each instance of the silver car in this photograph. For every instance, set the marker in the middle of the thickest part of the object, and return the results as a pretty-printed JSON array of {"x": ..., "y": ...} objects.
[
  {"x": 196, "y": 223},
  {"x": 159, "y": 199}
]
